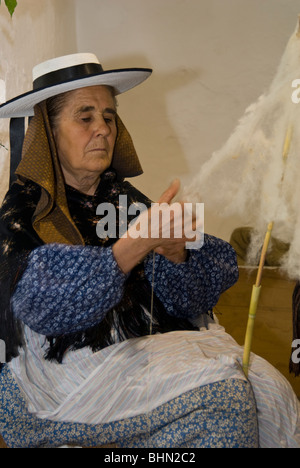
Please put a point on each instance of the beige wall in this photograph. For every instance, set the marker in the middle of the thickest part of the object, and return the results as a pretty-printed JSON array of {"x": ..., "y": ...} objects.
[
  {"x": 38, "y": 30},
  {"x": 211, "y": 59}
]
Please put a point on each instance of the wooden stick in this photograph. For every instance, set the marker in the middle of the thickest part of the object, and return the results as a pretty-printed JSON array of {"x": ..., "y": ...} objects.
[
  {"x": 287, "y": 143},
  {"x": 256, "y": 289},
  {"x": 250, "y": 328},
  {"x": 254, "y": 301},
  {"x": 263, "y": 254}
]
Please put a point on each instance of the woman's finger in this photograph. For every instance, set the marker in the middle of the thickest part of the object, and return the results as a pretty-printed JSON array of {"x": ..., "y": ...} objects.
[{"x": 170, "y": 193}]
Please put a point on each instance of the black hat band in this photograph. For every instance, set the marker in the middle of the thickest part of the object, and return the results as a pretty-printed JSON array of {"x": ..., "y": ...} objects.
[{"x": 67, "y": 74}]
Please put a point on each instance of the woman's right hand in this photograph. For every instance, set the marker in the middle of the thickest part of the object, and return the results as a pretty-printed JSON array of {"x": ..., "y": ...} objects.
[
  {"x": 160, "y": 228},
  {"x": 173, "y": 228}
]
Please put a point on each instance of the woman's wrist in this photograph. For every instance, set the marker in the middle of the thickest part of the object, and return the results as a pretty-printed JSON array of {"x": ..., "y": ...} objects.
[{"x": 129, "y": 252}]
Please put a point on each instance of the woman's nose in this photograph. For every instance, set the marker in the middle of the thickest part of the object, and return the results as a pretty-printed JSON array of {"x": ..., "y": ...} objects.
[{"x": 101, "y": 126}]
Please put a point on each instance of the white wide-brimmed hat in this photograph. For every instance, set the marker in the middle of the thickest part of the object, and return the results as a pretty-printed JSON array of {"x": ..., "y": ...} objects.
[{"x": 67, "y": 73}]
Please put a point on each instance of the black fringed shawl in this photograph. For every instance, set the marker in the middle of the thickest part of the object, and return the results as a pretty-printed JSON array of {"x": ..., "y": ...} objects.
[{"x": 18, "y": 239}]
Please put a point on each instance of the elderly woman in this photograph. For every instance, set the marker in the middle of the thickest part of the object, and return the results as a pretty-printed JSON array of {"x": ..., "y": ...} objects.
[{"x": 100, "y": 333}]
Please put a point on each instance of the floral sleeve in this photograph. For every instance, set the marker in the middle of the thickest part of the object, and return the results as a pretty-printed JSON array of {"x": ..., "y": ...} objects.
[
  {"x": 66, "y": 288},
  {"x": 191, "y": 288}
]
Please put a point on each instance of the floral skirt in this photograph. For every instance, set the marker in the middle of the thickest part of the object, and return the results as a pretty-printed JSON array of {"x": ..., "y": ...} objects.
[{"x": 221, "y": 414}]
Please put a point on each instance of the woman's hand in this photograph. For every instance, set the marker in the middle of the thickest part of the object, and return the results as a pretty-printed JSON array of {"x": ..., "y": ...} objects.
[
  {"x": 160, "y": 228},
  {"x": 173, "y": 248}
]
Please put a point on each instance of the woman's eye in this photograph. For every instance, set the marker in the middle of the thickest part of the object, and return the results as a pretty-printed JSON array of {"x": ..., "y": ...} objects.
[{"x": 108, "y": 120}]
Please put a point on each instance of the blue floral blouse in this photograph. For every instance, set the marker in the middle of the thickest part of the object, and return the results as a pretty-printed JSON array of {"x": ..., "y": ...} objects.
[{"x": 66, "y": 289}]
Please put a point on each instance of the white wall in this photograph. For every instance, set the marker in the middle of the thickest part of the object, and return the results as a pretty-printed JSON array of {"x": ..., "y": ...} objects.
[
  {"x": 38, "y": 31},
  {"x": 211, "y": 59}
]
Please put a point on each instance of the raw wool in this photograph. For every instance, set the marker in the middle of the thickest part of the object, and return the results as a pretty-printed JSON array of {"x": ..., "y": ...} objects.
[
  {"x": 254, "y": 250},
  {"x": 249, "y": 176}
]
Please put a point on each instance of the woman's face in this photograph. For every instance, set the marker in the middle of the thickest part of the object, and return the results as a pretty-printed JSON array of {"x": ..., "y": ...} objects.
[{"x": 86, "y": 132}]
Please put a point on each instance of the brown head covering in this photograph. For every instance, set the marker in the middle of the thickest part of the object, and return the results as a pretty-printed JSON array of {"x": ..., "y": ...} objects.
[{"x": 40, "y": 163}]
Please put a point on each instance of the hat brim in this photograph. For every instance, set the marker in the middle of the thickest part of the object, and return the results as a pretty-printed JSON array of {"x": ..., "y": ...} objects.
[{"x": 121, "y": 80}]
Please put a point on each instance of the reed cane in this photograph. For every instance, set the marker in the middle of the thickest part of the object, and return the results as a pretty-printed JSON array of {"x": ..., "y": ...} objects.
[
  {"x": 257, "y": 287},
  {"x": 254, "y": 302}
]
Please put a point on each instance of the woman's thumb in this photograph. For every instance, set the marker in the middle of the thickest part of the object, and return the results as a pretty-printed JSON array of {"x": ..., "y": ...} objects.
[{"x": 171, "y": 192}]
